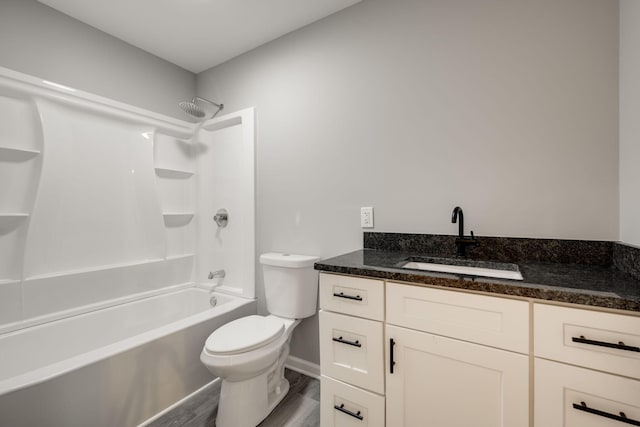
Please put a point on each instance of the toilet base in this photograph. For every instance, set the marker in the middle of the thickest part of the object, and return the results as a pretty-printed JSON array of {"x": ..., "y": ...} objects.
[
  {"x": 247, "y": 403},
  {"x": 277, "y": 395}
]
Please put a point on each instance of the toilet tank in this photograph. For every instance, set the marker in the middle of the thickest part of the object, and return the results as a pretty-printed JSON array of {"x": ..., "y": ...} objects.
[{"x": 290, "y": 284}]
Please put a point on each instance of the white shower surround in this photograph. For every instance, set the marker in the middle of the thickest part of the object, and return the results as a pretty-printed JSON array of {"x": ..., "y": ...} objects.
[
  {"x": 103, "y": 212},
  {"x": 101, "y": 202}
]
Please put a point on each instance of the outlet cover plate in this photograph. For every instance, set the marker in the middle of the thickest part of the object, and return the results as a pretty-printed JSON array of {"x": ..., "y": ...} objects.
[{"x": 366, "y": 217}]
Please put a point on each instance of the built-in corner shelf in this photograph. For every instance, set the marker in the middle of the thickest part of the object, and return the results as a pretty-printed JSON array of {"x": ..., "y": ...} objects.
[
  {"x": 12, "y": 154},
  {"x": 9, "y": 221},
  {"x": 176, "y": 219},
  {"x": 174, "y": 173}
]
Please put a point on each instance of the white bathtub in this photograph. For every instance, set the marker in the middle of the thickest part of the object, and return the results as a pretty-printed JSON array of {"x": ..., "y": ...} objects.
[{"x": 116, "y": 366}]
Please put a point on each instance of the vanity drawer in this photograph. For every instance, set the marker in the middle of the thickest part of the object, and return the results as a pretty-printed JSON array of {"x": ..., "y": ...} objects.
[
  {"x": 343, "y": 405},
  {"x": 354, "y": 296},
  {"x": 351, "y": 350},
  {"x": 496, "y": 322},
  {"x": 569, "y": 396},
  {"x": 604, "y": 341}
]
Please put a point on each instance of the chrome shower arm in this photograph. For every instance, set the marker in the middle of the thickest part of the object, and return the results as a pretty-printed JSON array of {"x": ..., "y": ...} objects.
[{"x": 220, "y": 106}]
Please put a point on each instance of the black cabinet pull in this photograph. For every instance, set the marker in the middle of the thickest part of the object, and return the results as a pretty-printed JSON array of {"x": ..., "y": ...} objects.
[
  {"x": 619, "y": 346},
  {"x": 348, "y": 412},
  {"x": 355, "y": 343},
  {"x": 622, "y": 417},
  {"x": 342, "y": 295},
  {"x": 391, "y": 361}
]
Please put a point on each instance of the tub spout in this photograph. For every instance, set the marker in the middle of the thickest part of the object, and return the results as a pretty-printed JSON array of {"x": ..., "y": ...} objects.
[
  {"x": 216, "y": 278},
  {"x": 220, "y": 274}
]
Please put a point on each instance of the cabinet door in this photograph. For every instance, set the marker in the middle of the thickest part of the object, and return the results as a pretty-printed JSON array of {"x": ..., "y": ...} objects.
[
  {"x": 569, "y": 396},
  {"x": 443, "y": 382}
]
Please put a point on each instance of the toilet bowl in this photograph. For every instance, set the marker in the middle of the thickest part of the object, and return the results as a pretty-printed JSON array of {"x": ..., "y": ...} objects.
[{"x": 249, "y": 353}]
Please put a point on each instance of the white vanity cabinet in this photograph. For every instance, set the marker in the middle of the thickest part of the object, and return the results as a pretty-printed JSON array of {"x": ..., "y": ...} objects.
[
  {"x": 351, "y": 351},
  {"x": 405, "y": 355},
  {"x": 587, "y": 368},
  {"x": 455, "y": 359}
]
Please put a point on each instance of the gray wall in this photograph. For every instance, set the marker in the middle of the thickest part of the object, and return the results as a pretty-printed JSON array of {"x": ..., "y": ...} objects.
[
  {"x": 40, "y": 41},
  {"x": 508, "y": 108},
  {"x": 630, "y": 121}
]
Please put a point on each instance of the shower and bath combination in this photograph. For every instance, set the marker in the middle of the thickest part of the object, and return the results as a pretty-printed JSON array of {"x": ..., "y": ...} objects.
[{"x": 194, "y": 110}]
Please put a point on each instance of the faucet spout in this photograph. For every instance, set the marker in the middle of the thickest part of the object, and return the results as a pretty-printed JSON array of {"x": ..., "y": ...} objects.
[
  {"x": 457, "y": 213},
  {"x": 461, "y": 241},
  {"x": 216, "y": 274}
]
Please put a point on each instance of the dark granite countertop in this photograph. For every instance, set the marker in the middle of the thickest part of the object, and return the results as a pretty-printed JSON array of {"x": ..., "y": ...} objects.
[{"x": 588, "y": 284}]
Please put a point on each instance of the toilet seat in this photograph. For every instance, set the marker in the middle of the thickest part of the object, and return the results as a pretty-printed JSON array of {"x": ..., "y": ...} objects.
[{"x": 244, "y": 334}]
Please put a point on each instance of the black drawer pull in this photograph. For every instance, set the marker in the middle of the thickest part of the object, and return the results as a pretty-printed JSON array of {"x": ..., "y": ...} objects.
[
  {"x": 342, "y": 295},
  {"x": 391, "y": 361},
  {"x": 355, "y": 343},
  {"x": 619, "y": 346},
  {"x": 348, "y": 412},
  {"x": 622, "y": 417}
]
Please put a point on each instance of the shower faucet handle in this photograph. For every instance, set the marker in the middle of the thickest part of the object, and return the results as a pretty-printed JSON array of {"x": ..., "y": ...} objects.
[{"x": 221, "y": 218}]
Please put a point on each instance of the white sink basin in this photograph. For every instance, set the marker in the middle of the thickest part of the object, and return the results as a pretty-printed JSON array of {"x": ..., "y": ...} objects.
[{"x": 510, "y": 271}]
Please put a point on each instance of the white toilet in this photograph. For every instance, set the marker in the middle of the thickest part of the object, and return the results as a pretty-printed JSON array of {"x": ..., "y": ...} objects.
[{"x": 249, "y": 354}]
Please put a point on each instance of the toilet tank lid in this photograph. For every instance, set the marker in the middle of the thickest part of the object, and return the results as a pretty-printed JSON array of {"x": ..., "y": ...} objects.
[{"x": 288, "y": 260}]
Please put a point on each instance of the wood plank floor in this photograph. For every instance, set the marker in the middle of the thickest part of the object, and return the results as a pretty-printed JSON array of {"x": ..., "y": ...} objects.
[{"x": 299, "y": 408}]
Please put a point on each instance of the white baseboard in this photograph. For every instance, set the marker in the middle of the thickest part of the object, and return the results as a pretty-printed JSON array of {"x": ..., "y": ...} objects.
[{"x": 304, "y": 367}]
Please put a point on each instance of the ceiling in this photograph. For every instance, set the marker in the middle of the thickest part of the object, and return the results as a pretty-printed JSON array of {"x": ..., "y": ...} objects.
[{"x": 198, "y": 34}]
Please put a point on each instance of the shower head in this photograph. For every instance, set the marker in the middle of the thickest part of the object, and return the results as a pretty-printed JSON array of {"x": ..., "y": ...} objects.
[{"x": 194, "y": 110}]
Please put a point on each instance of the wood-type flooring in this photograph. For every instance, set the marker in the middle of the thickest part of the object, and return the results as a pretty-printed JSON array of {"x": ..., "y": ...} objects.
[{"x": 299, "y": 408}]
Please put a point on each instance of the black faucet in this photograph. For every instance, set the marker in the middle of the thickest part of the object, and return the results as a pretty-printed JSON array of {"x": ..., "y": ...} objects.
[{"x": 461, "y": 241}]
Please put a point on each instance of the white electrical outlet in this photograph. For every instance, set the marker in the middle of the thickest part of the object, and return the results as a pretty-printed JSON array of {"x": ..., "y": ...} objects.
[{"x": 366, "y": 217}]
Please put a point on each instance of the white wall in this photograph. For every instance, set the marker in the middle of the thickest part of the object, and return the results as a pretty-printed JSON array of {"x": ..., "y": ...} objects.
[
  {"x": 508, "y": 108},
  {"x": 40, "y": 41},
  {"x": 630, "y": 121}
]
